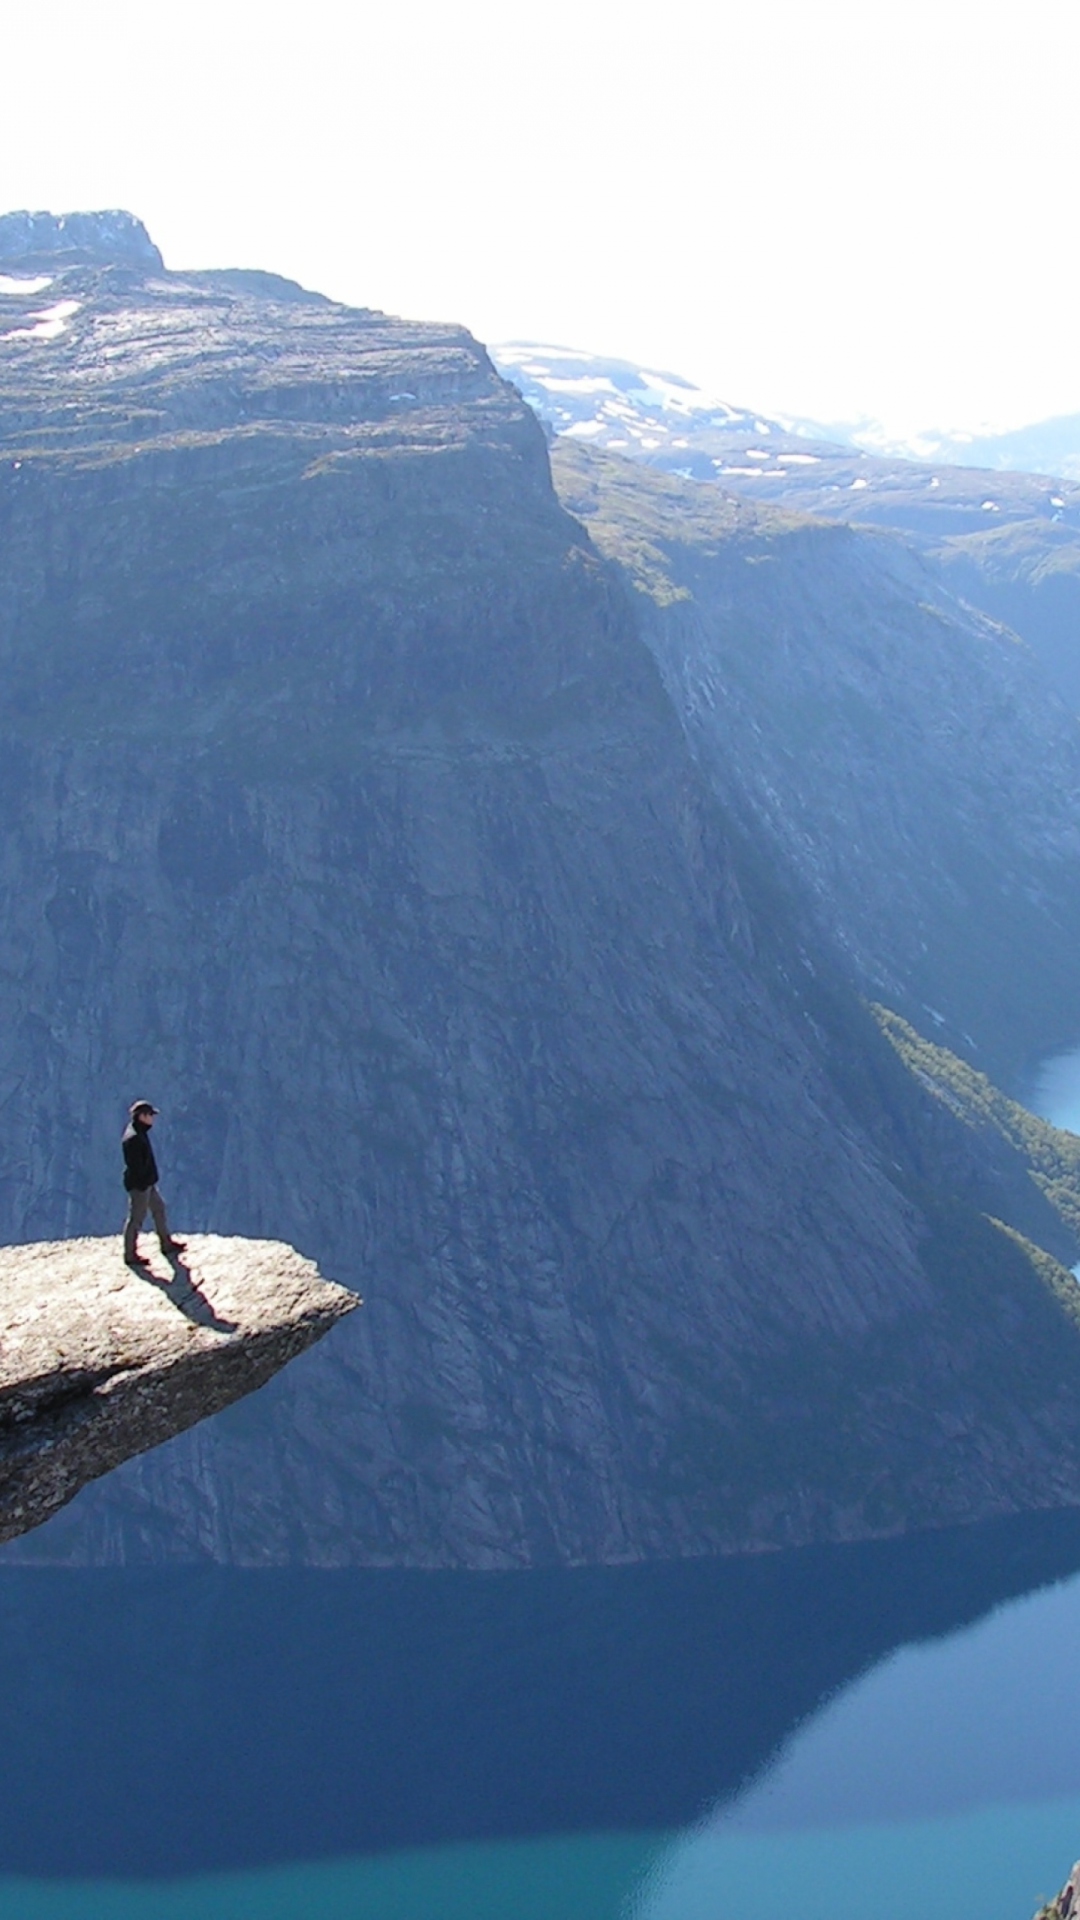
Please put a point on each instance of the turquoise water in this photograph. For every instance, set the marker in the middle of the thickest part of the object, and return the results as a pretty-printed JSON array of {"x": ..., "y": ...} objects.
[
  {"x": 999, "y": 1861},
  {"x": 589, "y": 1878}
]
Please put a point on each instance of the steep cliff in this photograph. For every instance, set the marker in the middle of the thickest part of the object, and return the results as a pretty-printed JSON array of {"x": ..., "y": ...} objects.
[
  {"x": 98, "y": 1363},
  {"x": 901, "y": 756},
  {"x": 345, "y": 810}
]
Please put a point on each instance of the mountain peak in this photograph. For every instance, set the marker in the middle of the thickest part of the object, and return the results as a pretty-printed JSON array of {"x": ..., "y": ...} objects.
[{"x": 111, "y": 238}]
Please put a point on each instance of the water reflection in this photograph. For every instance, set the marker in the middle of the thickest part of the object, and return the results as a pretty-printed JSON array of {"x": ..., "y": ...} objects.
[
  {"x": 951, "y": 1765},
  {"x": 183, "y": 1720},
  {"x": 1002, "y": 1863}
]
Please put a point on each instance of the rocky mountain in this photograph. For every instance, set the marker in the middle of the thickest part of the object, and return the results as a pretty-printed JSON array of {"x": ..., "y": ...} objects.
[
  {"x": 489, "y": 893},
  {"x": 898, "y": 753},
  {"x": 1008, "y": 541}
]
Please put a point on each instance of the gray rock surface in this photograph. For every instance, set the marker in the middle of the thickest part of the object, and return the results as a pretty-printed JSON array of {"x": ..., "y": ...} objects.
[{"x": 99, "y": 1361}]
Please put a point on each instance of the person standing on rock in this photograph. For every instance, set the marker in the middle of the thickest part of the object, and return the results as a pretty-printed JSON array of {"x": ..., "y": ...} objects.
[{"x": 140, "y": 1179}]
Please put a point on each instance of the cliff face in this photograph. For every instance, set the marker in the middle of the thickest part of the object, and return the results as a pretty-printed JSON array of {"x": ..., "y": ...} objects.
[
  {"x": 98, "y": 1363},
  {"x": 345, "y": 811}
]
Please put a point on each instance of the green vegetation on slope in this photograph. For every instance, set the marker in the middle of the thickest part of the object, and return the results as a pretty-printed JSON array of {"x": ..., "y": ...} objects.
[
  {"x": 1050, "y": 1155},
  {"x": 1053, "y": 1156}
]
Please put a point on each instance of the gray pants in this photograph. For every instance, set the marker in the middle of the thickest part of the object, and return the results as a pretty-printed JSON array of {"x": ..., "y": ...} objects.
[{"x": 138, "y": 1202}]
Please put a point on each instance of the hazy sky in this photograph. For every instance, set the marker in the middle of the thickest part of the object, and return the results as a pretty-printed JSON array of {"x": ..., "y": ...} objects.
[{"x": 829, "y": 208}]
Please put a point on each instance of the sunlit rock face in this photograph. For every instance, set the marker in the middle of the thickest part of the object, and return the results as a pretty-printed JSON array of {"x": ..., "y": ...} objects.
[
  {"x": 344, "y": 812},
  {"x": 100, "y": 1360}
]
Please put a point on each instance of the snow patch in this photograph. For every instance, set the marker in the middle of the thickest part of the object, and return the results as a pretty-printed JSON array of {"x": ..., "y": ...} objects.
[
  {"x": 583, "y": 430},
  {"x": 676, "y": 396},
  {"x": 857, "y": 485},
  {"x": 49, "y": 323},
  {"x": 799, "y": 459},
  {"x": 25, "y": 282},
  {"x": 990, "y": 506},
  {"x": 582, "y": 383}
]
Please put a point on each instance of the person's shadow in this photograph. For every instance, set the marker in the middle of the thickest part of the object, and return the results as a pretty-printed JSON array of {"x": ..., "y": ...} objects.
[{"x": 182, "y": 1290}]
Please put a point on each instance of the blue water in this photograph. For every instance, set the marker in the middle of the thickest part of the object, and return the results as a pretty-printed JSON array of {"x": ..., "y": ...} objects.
[
  {"x": 889, "y": 1728},
  {"x": 1055, "y": 1093},
  {"x": 1055, "y": 1096}
]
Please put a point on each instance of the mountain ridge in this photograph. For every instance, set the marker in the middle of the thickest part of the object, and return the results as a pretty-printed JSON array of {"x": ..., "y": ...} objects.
[{"x": 1007, "y": 541}]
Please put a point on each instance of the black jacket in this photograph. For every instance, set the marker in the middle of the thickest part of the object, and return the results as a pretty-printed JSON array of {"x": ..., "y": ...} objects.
[{"x": 140, "y": 1167}]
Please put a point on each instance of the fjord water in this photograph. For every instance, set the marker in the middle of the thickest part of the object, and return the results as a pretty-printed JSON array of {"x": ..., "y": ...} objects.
[
  {"x": 648, "y": 1743},
  {"x": 1055, "y": 1093}
]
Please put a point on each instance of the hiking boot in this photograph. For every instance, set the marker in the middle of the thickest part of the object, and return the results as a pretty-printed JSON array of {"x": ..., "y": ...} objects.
[
  {"x": 174, "y": 1246},
  {"x": 135, "y": 1260}
]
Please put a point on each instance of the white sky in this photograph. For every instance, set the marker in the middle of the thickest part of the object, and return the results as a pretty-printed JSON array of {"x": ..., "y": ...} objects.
[{"x": 829, "y": 208}]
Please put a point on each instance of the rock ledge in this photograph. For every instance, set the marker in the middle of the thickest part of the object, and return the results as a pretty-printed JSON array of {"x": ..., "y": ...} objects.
[{"x": 98, "y": 1362}]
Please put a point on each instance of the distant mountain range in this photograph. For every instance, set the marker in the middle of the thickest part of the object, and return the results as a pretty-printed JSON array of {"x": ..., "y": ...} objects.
[
  {"x": 669, "y": 423},
  {"x": 1007, "y": 539},
  {"x": 627, "y": 408},
  {"x": 1044, "y": 446}
]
